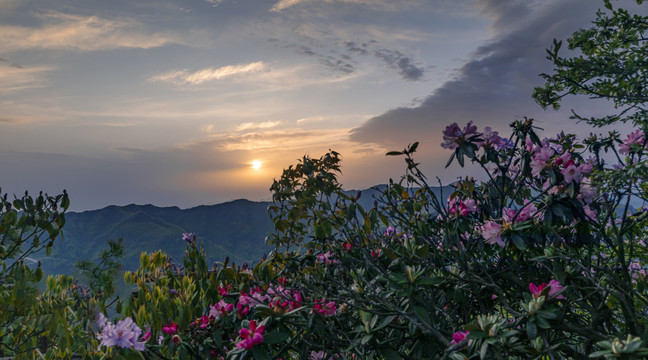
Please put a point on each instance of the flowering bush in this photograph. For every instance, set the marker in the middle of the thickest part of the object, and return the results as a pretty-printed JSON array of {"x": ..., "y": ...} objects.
[{"x": 420, "y": 274}]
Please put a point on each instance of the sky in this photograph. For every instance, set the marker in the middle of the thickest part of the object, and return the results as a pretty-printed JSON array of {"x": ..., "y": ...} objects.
[{"x": 186, "y": 103}]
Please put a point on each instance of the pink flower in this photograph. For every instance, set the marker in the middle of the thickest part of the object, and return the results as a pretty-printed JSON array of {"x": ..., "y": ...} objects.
[
  {"x": 319, "y": 355},
  {"x": 571, "y": 172},
  {"x": 461, "y": 207},
  {"x": 459, "y": 336},
  {"x": 347, "y": 246},
  {"x": 325, "y": 309},
  {"x": 491, "y": 138},
  {"x": 527, "y": 211},
  {"x": 453, "y": 136},
  {"x": 554, "y": 286},
  {"x": 220, "y": 309},
  {"x": 540, "y": 160},
  {"x": 189, "y": 237},
  {"x": 327, "y": 258},
  {"x": 634, "y": 138},
  {"x": 564, "y": 159},
  {"x": 203, "y": 321},
  {"x": 591, "y": 214},
  {"x": 492, "y": 233},
  {"x": 170, "y": 328},
  {"x": 224, "y": 291},
  {"x": 375, "y": 253},
  {"x": 251, "y": 337}
]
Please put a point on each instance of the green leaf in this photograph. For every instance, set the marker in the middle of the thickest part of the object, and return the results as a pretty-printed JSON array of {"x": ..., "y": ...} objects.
[
  {"x": 275, "y": 337},
  {"x": 483, "y": 350},
  {"x": 519, "y": 242},
  {"x": 389, "y": 354},
  {"x": 260, "y": 354}
]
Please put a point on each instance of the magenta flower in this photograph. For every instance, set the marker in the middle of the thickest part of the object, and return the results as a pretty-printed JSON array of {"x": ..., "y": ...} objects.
[
  {"x": 251, "y": 337},
  {"x": 325, "y": 308},
  {"x": 492, "y": 233},
  {"x": 461, "y": 207},
  {"x": 459, "y": 336},
  {"x": 453, "y": 136},
  {"x": 224, "y": 291},
  {"x": 554, "y": 286},
  {"x": 170, "y": 328},
  {"x": 220, "y": 309}
]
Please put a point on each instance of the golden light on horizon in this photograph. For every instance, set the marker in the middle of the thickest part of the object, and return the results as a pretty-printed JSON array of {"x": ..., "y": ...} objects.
[{"x": 256, "y": 164}]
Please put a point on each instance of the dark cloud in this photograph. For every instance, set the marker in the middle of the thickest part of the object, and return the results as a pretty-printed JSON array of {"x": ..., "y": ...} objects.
[
  {"x": 397, "y": 60},
  {"x": 353, "y": 47},
  {"x": 495, "y": 87},
  {"x": 339, "y": 63}
]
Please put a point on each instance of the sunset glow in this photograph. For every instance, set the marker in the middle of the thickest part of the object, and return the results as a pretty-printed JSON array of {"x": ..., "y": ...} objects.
[{"x": 93, "y": 93}]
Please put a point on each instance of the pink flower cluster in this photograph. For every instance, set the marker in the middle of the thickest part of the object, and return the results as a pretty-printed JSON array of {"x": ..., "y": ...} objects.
[
  {"x": 251, "y": 337},
  {"x": 554, "y": 289},
  {"x": 256, "y": 297},
  {"x": 460, "y": 207},
  {"x": 454, "y": 136},
  {"x": 325, "y": 308},
  {"x": 124, "y": 334},
  {"x": 327, "y": 258},
  {"x": 284, "y": 298},
  {"x": 459, "y": 336},
  {"x": 170, "y": 328},
  {"x": 634, "y": 138},
  {"x": 220, "y": 309}
]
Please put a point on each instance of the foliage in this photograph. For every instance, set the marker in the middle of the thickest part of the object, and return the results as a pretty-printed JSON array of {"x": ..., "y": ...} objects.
[{"x": 546, "y": 258}]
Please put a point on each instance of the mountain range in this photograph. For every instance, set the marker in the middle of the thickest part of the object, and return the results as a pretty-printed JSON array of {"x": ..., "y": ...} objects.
[{"x": 235, "y": 229}]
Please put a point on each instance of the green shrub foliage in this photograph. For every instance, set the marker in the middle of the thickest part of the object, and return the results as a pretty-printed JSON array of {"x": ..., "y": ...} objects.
[{"x": 543, "y": 259}]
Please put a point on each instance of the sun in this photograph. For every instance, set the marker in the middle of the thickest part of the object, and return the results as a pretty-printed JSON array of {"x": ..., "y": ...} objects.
[{"x": 256, "y": 164}]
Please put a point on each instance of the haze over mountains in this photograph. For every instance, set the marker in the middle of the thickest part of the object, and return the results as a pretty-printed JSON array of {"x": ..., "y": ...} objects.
[{"x": 236, "y": 229}]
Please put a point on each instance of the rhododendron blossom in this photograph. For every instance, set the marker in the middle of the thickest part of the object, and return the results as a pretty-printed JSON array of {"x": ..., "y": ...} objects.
[
  {"x": 325, "y": 308},
  {"x": 459, "y": 336},
  {"x": 251, "y": 337},
  {"x": 170, "y": 328},
  {"x": 540, "y": 160},
  {"x": 492, "y": 233},
  {"x": 124, "y": 334},
  {"x": 453, "y": 136},
  {"x": 327, "y": 258},
  {"x": 554, "y": 285},
  {"x": 634, "y": 138},
  {"x": 220, "y": 309},
  {"x": 491, "y": 139},
  {"x": 461, "y": 207}
]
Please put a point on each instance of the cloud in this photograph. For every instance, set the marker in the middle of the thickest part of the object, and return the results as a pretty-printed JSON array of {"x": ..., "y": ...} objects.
[
  {"x": 404, "y": 64},
  {"x": 391, "y": 5},
  {"x": 262, "y": 125},
  {"x": 214, "y": 3},
  {"x": 185, "y": 77},
  {"x": 87, "y": 33},
  {"x": 494, "y": 87},
  {"x": 274, "y": 140},
  {"x": 284, "y": 4},
  {"x": 15, "y": 77}
]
